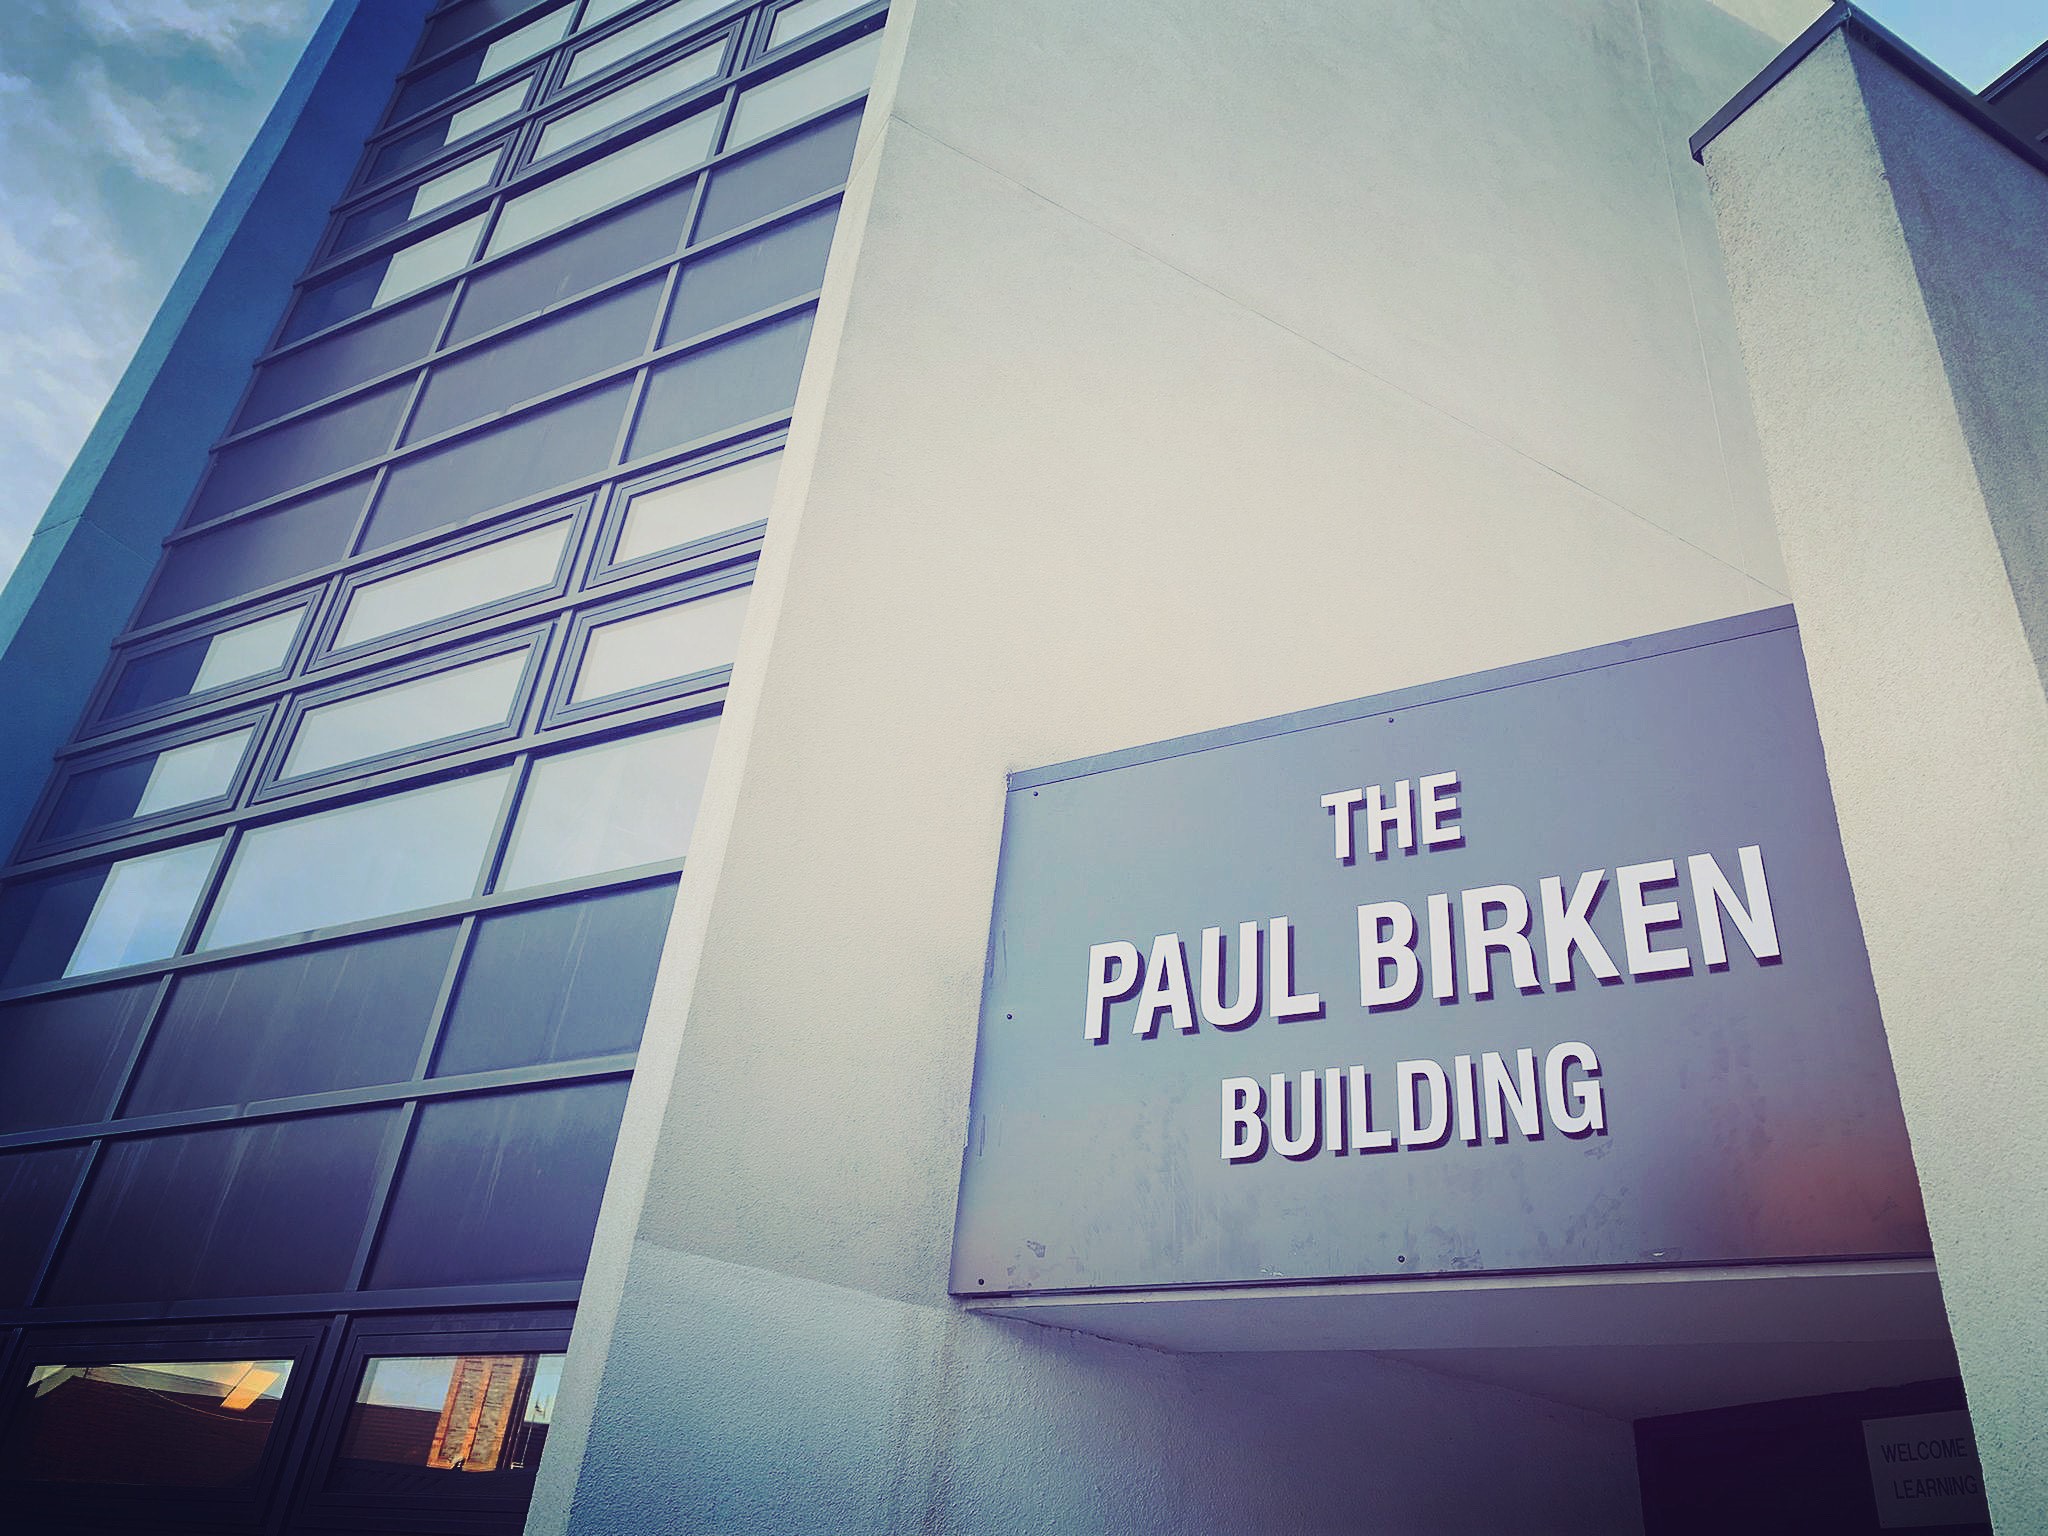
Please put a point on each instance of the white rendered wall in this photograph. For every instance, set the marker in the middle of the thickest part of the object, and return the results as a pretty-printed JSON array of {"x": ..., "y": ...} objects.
[
  {"x": 1888, "y": 262},
  {"x": 1180, "y": 363}
]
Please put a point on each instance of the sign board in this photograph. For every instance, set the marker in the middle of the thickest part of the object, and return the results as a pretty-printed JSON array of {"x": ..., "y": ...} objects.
[
  {"x": 1924, "y": 1471},
  {"x": 1543, "y": 969}
]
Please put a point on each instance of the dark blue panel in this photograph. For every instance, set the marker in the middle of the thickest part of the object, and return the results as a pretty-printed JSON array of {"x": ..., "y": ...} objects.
[
  {"x": 532, "y": 453},
  {"x": 251, "y": 553},
  {"x": 40, "y": 921},
  {"x": 268, "y": 1209},
  {"x": 402, "y": 335},
  {"x": 309, "y": 449},
  {"x": 501, "y": 1187},
  {"x": 460, "y": 23},
  {"x": 156, "y": 677},
  {"x": 742, "y": 379},
  {"x": 557, "y": 982},
  {"x": 61, "y": 1058},
  {"x": 99, "y": 797},
  {"x": 1746, "y": 1106},
  {"x": 532, "y": 362},
  {"x": 759, "y": 273},
  {"x": 572, "y": 264},
  {"x": 338, "y": 1016},
  {"x": 804, "y": 164},
  {"x": 34, "y": 1189}
]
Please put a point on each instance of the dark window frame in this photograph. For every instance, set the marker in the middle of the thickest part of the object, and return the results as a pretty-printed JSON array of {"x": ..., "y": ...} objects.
[{"x": 557, "y": 710}]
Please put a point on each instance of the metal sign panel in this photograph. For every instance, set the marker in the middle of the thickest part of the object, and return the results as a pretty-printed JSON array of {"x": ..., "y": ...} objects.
[{"x": 1550, "y": 968}]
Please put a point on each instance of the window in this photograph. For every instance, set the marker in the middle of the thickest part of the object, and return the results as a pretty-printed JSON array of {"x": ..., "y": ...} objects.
[
  {"x": 665, "y": 84},
  {"x": 616, "y": 177},
  {"x": 269, "y": 1208},
  {"x": 546, "y": 448},
  {"x": 170, "y": 1424},
  {"x": 280, "y": 459},
  {"x": 62, "y": 1057},
  {"x": 670, "y": 21},
  {"x": 796, "y": 94},
  {"x": 500, "y": 1186},
  {"x": 457, "y": 701},
  {"x": 35, "y": 1192},
  {"x": 423, "y": 1425},
  {"x": 735, "y": 382},
  {"x": 648, "y": 648},
  {"x": 233, "y": 559},
  {"x": 101, "y": 917},
  {"x": 809, "y": 161},
  {"x": 752, "y": 275},
  {"x": 806, "y": 16},
  {"x": 531, "y": 362},
  {"x": 385, "y": 279},
  {"x": 305, "y": 1021},
  {"x": 670, "y": 516},
  {"x": 399, "y": 852},
  {"x": 480, "y": 64},
  {"x": 423, "y": 143},
  {"x": 333, "y": 363},
  {"x": 612, "y": 806},
  {"x": 233, "y": 655},
  {"x": 555, "y": 982},
  {"x": 491, "y": 573},
  {"x": 148, "y": 785},
  {"x": 458, "y": 24},
  {"x": 389, "y": 213}
]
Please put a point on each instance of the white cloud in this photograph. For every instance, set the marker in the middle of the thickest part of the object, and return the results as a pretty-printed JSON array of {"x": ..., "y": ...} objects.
[
  {"x": 220, "y": 26},
  {"x": 149, "y": 138}
]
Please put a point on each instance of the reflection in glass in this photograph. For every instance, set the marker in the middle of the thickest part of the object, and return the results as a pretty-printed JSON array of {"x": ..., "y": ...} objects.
[
  {"x": 611, "y": 806},
  {"x": 646, "y": 163},
  {"x": 199, "y": 770},
  {"x": 796, "y": 94},
  {"x": 807, "y": 16},
  {"x": 671, "y": 80},
  {"x": 247, "y": 650},
  {"x": 393, "y": 854},
  {"x": 438, "y": 191},
  {"x": 433, "y": 708},
  {"x": 667, "y": 643},
  {"x": 141, "y": 909},
  {"x": 453, "y": 1423},
  {"x": 154, "y": 1423},
  {"x": 674, "y": 515},
  {"x": 669, "y": 21},
  {"x": 492, "y": 573}
]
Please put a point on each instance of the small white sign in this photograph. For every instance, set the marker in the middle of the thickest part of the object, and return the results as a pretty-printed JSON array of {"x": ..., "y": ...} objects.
[{"x": 1924, "y": 1471}]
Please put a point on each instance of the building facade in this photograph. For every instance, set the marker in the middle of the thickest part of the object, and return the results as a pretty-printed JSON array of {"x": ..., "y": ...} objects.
[{"x": 533, "y": 655}]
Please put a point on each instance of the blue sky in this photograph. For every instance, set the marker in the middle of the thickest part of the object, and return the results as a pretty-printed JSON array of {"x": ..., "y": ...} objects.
[{"x": 121, "y": 119}]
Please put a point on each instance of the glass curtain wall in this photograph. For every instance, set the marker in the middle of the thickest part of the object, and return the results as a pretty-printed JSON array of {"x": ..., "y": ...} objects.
[{"x": 325, "y": 957}]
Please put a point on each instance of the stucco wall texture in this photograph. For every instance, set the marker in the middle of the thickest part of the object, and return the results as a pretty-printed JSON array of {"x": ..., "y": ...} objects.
[
  {"x": 1179, "y": 364},
  {"x": 1887, "y": 262}
]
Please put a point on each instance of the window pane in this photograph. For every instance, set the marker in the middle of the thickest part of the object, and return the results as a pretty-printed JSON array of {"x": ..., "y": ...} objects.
[
  {"x": 142, "y": 908},
  {"x": 385, "y": 279},
  {"x": 654, "y": 647},
  {"x": 748, "y": 378},
  {"x": 427, "y": 1426},
  {"x": 670, "y": 81},
  {"x": 432, "y": 708},
  {"x": 347, "y": 358},
  {"x": 236, "y": 558},
  {"x": 393, "y": 854},
  {"x": 592, "y": 255},
  {"x": 527, "y": 562},
  {"x": 809, "y": 161},
  {"x": 552, "y": 983},
  {"x": 669, "y": 21},
  {"x": 546, "y": 448},
  {"x": 233, "y": 655},
  {"x": 807, "y": 16},
  {"x": 62, "y": 1057},
  {"x": 515, "y": 369},
  {"x": 439, "y": 191},
  {"x": 673, "y": 515},
  {"x": 423, "y": 143},
  {"x": 150, "y": 1424},
  {"x": 609, "y": 807},
  {"x": 401, "y": 208},
  {"x": 460, "y": 23},
  {"x": 147, "y": 785},
  {"x": 617, "y": 176},
  {"x": 758, "y": 273},
  {"x": 311, "y": 1020},
  {"x": 309, "y": 449},
  {"x": 269, "y": 1209},
  {"x": 500, "y": 1186},
  {"x": 809, "y": 88},
  {"x": 459, "y": 74},
  {"x": 35, "y": 1188}
]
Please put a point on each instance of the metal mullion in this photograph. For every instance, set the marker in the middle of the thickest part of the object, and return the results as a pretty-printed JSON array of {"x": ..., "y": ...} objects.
[
  {"x": 501, "y": 833},
  {"x": 322, "y": 1361},
  {"x": 420, "y": 1087},
  {"x": 308, "y": 1304},
  {"x": 210, "y": 888},
  {"x": 151, "y": 1017},
  {"x": 47, "y": 1265},
  {"x": 383, "y": 1181}
]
